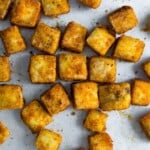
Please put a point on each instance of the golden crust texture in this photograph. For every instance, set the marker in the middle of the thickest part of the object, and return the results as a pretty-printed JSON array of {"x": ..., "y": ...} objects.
[
  {"x": 146, "y": 68},
  {"x": 91, "y": 3}
]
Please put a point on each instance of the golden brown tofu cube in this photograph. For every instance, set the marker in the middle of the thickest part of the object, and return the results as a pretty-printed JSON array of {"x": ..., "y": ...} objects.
[
  {"x": 100, "y": 141},
  {"x": 46, "y": 38},
  {"x": 91, "y": 3},
  {"x": 26, "y": 13},
  {"x": 42, "y": 68},
  {"x": 48, "y": 140},
  {"x": 13, "y": 40},
  {"x": 35, "y": 117},
  {"x": 96, "y": 121},
  {"x": 53, "y": 8},
  {"x": 145, "y": 123},
  {"x": 141, "y": 92},
  {"x": 129, "y": 48},
  {"x": 123, "y": 19},
  {"x": 72, "y": 67},
  {"x": 4, "y": 133},
  {"x": 102, "y": 69},
  {"x": 85, "y": 95},
  {"x": 4, "y": 69},
  {"x": 74, "y": 37},
  {"x": 55, "y": 99},
  {"x": 114, "y": 96},
  {"x": 100, "y": 40},
  {"x": 146, "y": 67},
  {"x": 4, "y": 6}
]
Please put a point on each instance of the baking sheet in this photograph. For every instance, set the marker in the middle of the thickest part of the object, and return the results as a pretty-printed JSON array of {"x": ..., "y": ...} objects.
[{"x": 122, "y": 126}]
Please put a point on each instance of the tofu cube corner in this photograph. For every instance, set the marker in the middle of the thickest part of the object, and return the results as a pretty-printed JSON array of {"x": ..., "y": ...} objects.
[
  {"x": 91, "y": 3},
  {"x": 146, "y": 68}
]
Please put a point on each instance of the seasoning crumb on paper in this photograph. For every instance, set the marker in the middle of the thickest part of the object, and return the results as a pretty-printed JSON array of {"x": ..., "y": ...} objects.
[{"x": 126, "y": 115}]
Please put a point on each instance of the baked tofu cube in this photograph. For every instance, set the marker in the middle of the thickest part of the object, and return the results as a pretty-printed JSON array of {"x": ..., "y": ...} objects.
[
  {"x": 141, "y": 92},
  {"x": 102, "y": 69},
  {"x": 46, "y": 38},
  {"x": 114, "y": 96},
  {"x": 146, "y": 67},
  {"x": 100, "y": 40},
  {"x": 85, "y": 95},
  {"x": 96, "y": 121},
  {"x": 4, "y": 6},
  {"x": 129, "y": 48},
  {"x": 42, "y": 68},
  {"x": 48, "y": 140},
  {"x": 4, "y": 133},
  {"x": 53, "y": 8},
  {"x": 35, "y": 117},
  {"x": 74, "y": 37},
  {"x": 145, "y": 123},
  {"x": 13, "y": 40},
  {"x": 55, "y": 99},
  {"x": 123, "y": 19},
  {"x": 72, "y": 67},
  {"x": 26, "y": 13},
  {"x": 91, "y": 3},
  {"x": 100, "y": 141},
  {"x": 4, "y": 69}
]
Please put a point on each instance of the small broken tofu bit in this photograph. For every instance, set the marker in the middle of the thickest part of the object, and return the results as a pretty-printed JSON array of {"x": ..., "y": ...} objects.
[
  {"x": 145, "y": 123},
  {"x": 141, "y": 92},
  {"x": 4, "y": 69},
  {"x": 74, "y": 37},
  {"x": 4, "y": 133},
  {"x": 25, "y": 13},
  {"x": 85, "y": 95},
  {"x": 95, "y": 121},
  {"x": 42, "y": 68},
  {"x": 35, "y": 117},
  {"x": 129, "y": 48},
  {"x": 91, "y": 3},
  {"x": 146, "y": 67},
  {"x": 55, "y": 99},
  {"x": 13, "y": 40},
  {"x": 48, "y": 140},
  {"x": 123, "y": 19},
  {"x": 46, "y": 38},
  {"x": 114, "y": 96},
  {"x": 54, "y": 8},
  {"x": 102, "y": 69},
  {"x": 100, "y": 141},
  {"x": 72, "y": 66}
]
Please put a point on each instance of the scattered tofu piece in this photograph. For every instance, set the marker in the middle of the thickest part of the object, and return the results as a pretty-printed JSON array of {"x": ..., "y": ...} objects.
[
  {"x": 46, "y": 38},
  {"x": 85, "y": 95},
  {"x": 146, "y": 67},
  {"x": 100, "y": 40},
  {"x": 129, "y": 48},
  {"x": 91, "y": 3},
  {"x": 123, "y": 19},
  {"x": 42, "y": 68},
  {"x": 114, "y": 96},
  {"x": 35, "y": 117}
]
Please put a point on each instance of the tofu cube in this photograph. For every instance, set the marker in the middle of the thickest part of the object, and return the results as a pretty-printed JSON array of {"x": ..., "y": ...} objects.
[
  {"x": 91, "y": 3},
  {"x": 11, "y": 97},
  {"x": 26, "y": 13},
  {"x": 42, "y": 68},
  {"x": 35, "y": 117},
  {"x": 72, "y": 67},
  {"x": 102, "y": 69},
  {"x": 13, "y": 40},
  {"x": 114, "y": 96},
  {"x": 46, "y": 38},
  {"x": 4, "y": 69},
  {"x": 74, "y": 37},
  {"x": 85, "y": 95},
  {"x": 4, "y": 133},
  {"x": 141, "y": 92},
  {"x": 96, "y": 121},
  {"x": 4, "y": 6},
  {"x": 100, "y": 40},
  {"x": 48, "y": 140},
  {"x": 146, "y": 67},
  {"x": 54, "y": 8},
  {"x": 123, "y": 19},
  {"x": 100, "y": 141},
  {"x": 55, "y": 99},
  {"x": 129, "y": 48}
]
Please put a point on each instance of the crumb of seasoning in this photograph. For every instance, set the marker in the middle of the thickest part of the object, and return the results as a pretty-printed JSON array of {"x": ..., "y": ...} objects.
[
  {"x": 18, "y": 80},
  {"x": 144, "y": 38},
  {"x": 11, "y": 138},
  {"x": 106, "y": 11},
  {"x": 126, "y": 115},
  {"x": 118, "y": 74},
  {"x": 31, "y": 53},
  {"x": 73, "y": 113},
  {"x": 136, "y": 72},
  {"x": 27, "y": 135},
  {"x": 67, "y": 115}
]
